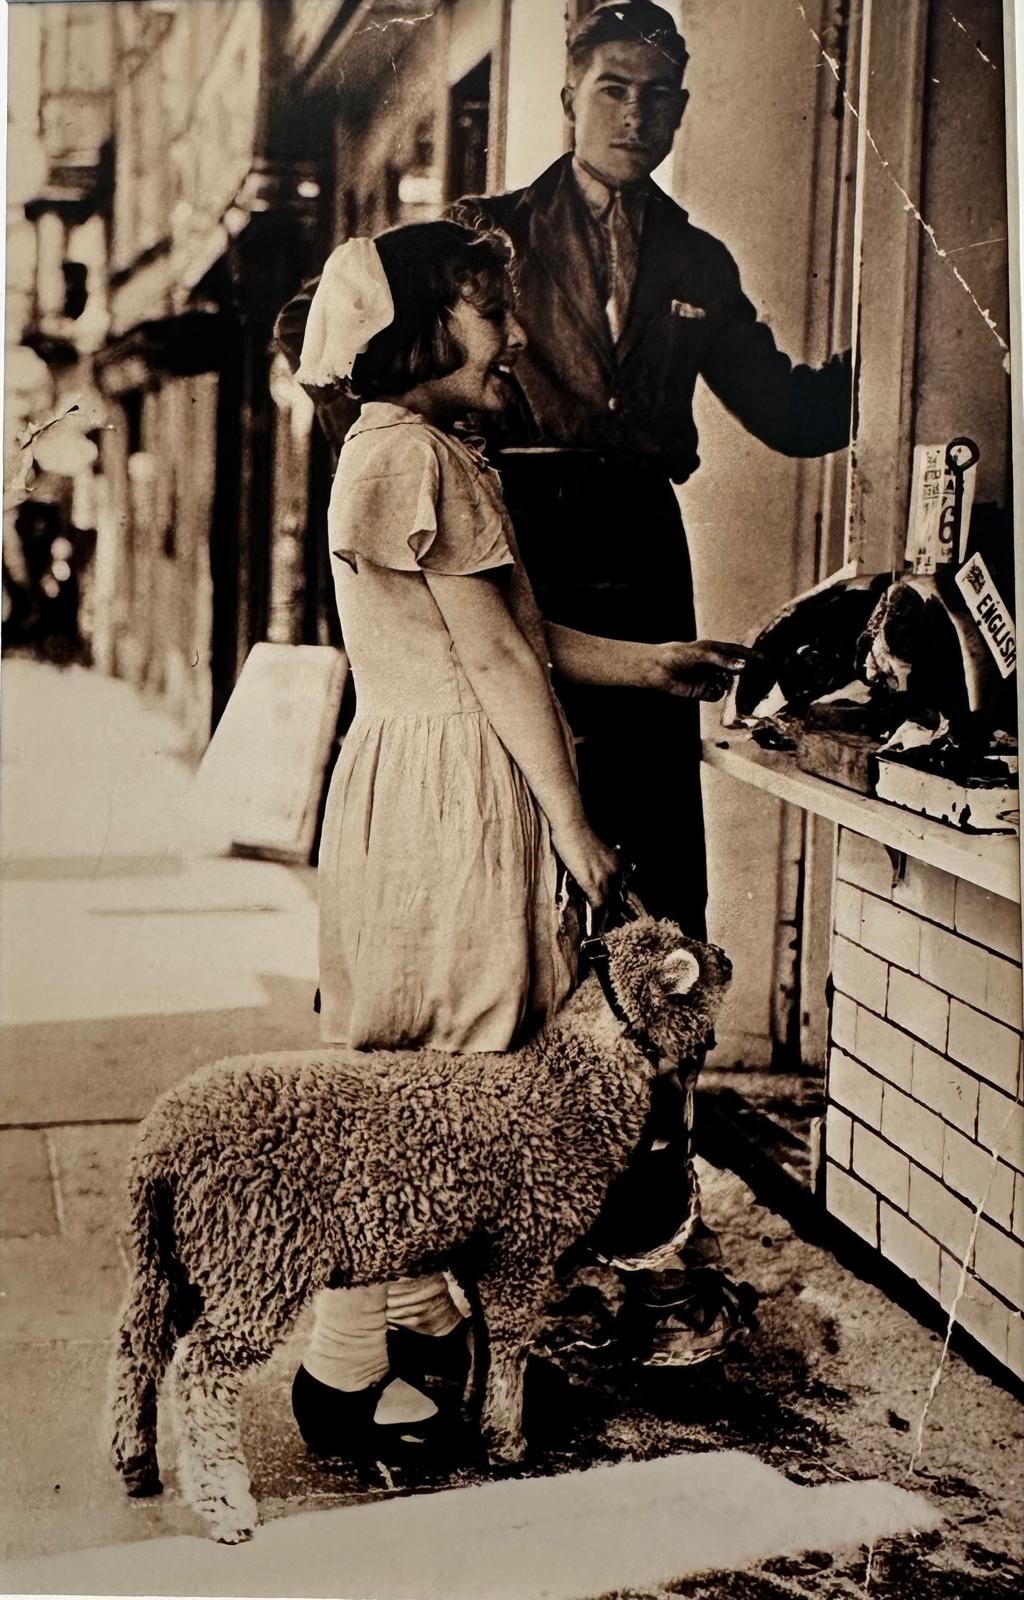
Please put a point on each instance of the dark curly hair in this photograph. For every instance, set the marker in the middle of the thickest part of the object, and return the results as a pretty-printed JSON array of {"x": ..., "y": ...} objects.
[{"x": 429, "y": 266}]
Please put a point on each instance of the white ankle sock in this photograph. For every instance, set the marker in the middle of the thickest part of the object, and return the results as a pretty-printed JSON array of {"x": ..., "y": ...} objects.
[
  {"x": 400, "y": 1402},
  {"x": 348, "y": 1346},
  {"x": 422, "y": 1305}
]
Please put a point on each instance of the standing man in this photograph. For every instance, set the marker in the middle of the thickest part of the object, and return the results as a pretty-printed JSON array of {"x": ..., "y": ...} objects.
[{"x": 625, "y": 304}]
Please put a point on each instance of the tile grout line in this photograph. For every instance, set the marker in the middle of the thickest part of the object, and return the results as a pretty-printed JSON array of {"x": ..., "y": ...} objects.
[{"x": 55, "y": 1185}]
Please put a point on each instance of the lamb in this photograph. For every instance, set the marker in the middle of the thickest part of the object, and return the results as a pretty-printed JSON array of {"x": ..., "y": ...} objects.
[{"x": 259, "y": 1178}]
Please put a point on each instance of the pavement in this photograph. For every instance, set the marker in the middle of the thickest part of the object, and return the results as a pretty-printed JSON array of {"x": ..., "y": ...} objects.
[{"x": 130, "y": 954}]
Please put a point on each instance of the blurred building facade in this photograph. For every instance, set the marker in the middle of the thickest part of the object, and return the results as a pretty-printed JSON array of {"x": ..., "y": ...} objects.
[
  {"x": 58, "y": 195},
  {"x": 192, "y": 161}
]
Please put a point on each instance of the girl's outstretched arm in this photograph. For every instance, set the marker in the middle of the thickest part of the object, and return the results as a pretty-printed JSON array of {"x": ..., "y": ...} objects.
[
  {"x": 698, "y": 670},
  {"x": 512, "y": 687}
]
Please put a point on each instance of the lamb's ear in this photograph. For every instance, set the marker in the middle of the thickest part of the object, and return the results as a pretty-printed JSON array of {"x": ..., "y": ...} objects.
[{"x": 679, "y": 972}]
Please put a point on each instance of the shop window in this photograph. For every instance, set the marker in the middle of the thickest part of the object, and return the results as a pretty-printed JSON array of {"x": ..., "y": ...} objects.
[
  {"x": 392, "y": 207},
  {"x": 469, "y": 108},
  {"x": 76, "y": 294},
  {"x": 420, "y": 190},
  {"x": 131, "y": 405}
]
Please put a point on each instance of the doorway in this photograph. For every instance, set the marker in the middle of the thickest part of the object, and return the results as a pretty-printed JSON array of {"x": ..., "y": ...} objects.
[{"x": 469, "y": 110}]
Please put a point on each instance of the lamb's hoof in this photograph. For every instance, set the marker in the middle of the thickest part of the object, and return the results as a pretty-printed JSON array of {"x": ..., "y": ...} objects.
[
  {"x": 235, "y": 1524},
  {"x": 233, "y": 1535},
  {"x": 506, "y": 1450},
  {"x": 143, "y": 1485},
  {"x": 140, "y": 1476}
]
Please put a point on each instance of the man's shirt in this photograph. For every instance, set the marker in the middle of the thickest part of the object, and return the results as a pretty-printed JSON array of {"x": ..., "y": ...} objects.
[{"x": 616, "y": 266}]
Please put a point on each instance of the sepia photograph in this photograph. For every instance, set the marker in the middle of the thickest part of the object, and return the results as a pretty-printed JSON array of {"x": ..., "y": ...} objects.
[{"x": 511, "y": 1042}]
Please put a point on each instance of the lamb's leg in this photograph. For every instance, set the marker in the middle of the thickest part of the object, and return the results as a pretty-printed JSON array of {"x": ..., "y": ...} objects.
[
  {"x": 136, "y": 1371},
  {"x": 209, "y": 1369},
  {"x": 155, "y": 1311},
  {"x": 512, "y": 1306}
]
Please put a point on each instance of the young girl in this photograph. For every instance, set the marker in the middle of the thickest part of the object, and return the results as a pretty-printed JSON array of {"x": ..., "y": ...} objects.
[{"x": 454, "y": 804}]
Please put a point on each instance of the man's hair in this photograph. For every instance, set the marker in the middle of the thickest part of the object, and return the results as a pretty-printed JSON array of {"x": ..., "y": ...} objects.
[
  {"x": 635, "y": 21},
  {"x": 429, "y": 266}
]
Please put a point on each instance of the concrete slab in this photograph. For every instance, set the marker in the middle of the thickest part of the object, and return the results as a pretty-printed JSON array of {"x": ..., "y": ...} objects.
[
  {"x": 52, "y": 1289},
  {"x": 125, "y": 962},
  {"x": 113, "y": 1069},
  {"x": 89, "y": 769},
  {"x": 89, "y": 949},
  {"x": 830, "y": 1389},
  {"x": 58, "y": 1488},
  {"x": 635, "y": 1525},
  {"x": 90, "y": 1164},
  {"x": 27, "y": 1203}
]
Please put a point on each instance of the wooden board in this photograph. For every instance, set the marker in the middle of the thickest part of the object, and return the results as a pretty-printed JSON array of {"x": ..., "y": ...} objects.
[
  {"x": 261, "y": 780},
  {"x": 992, "y": 861}
]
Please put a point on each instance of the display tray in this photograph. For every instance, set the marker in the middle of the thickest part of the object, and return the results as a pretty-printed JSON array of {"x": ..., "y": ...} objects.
[{"x": 974, "y": 808}]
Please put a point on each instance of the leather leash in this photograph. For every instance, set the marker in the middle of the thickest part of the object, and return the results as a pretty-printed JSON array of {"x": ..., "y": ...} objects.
[{"x": 595, "y": 950}]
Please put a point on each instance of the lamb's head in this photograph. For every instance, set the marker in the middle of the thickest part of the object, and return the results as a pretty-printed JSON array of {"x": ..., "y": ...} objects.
[{"x": 670, "y": 987}]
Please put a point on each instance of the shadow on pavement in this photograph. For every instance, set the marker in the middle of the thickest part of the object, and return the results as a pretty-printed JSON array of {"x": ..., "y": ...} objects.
[{"x": 112, "y": 1069}]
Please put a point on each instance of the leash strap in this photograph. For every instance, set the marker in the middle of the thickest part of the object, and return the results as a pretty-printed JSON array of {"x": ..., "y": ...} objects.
[{"x": 595, "y": 951}]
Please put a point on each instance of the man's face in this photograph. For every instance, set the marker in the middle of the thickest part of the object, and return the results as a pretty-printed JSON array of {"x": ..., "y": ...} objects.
[{"x": 625, "y": 109}]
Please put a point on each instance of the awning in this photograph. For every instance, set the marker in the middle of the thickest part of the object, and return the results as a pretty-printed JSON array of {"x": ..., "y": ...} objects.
[
  {"x": 322, "y": 33},
  {"x": 182, "y": 345}
]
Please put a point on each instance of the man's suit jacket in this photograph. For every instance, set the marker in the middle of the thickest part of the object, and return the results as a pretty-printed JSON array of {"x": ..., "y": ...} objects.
[{"x": 688, "y": 317}]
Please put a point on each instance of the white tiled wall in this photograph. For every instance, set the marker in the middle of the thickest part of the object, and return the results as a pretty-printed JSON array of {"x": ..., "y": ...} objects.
[{"x": 925, "y": 1113}]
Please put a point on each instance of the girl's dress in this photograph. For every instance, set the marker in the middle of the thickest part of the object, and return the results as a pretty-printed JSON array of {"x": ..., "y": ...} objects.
[{"x": 440, "y": 918}]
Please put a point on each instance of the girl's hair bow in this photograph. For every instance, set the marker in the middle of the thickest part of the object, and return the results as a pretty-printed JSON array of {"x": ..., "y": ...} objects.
[{"x": 351, "y": 304}]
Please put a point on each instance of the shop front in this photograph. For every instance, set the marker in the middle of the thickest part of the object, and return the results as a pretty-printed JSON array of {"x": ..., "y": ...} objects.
[
  {"x": 211, "y": 208},
  {"x": 885, "y": 710}
]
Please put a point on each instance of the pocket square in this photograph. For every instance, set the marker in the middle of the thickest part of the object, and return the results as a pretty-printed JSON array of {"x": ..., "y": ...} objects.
[{"x": 683, "y": 308}]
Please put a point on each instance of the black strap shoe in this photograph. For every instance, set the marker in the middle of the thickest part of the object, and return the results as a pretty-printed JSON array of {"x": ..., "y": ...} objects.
[
  {"x": 438, "y": 1364},
  {"x": 339, "y": 1424},
  {"x": 684, "y": 1317}
]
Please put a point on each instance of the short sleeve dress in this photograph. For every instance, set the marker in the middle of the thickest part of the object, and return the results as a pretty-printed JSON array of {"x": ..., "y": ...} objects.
[{"x": 441, "y": 921}]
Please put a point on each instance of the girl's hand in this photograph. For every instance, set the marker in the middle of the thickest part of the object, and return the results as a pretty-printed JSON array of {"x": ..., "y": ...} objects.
[
  {"x": 702, "y": 670},
  {"x": 587, "y": 859}
]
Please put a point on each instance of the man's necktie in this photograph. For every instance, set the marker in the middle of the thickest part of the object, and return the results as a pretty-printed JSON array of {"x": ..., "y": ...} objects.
[{"x": 622, "y": 263}]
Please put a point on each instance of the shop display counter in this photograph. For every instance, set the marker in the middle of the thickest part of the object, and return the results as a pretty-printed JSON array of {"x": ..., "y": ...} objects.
[{"x": 990, "y": 861}]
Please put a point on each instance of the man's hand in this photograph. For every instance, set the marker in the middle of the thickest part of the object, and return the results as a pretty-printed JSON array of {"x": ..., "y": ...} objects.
[{"x": 701, "y": 670}]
